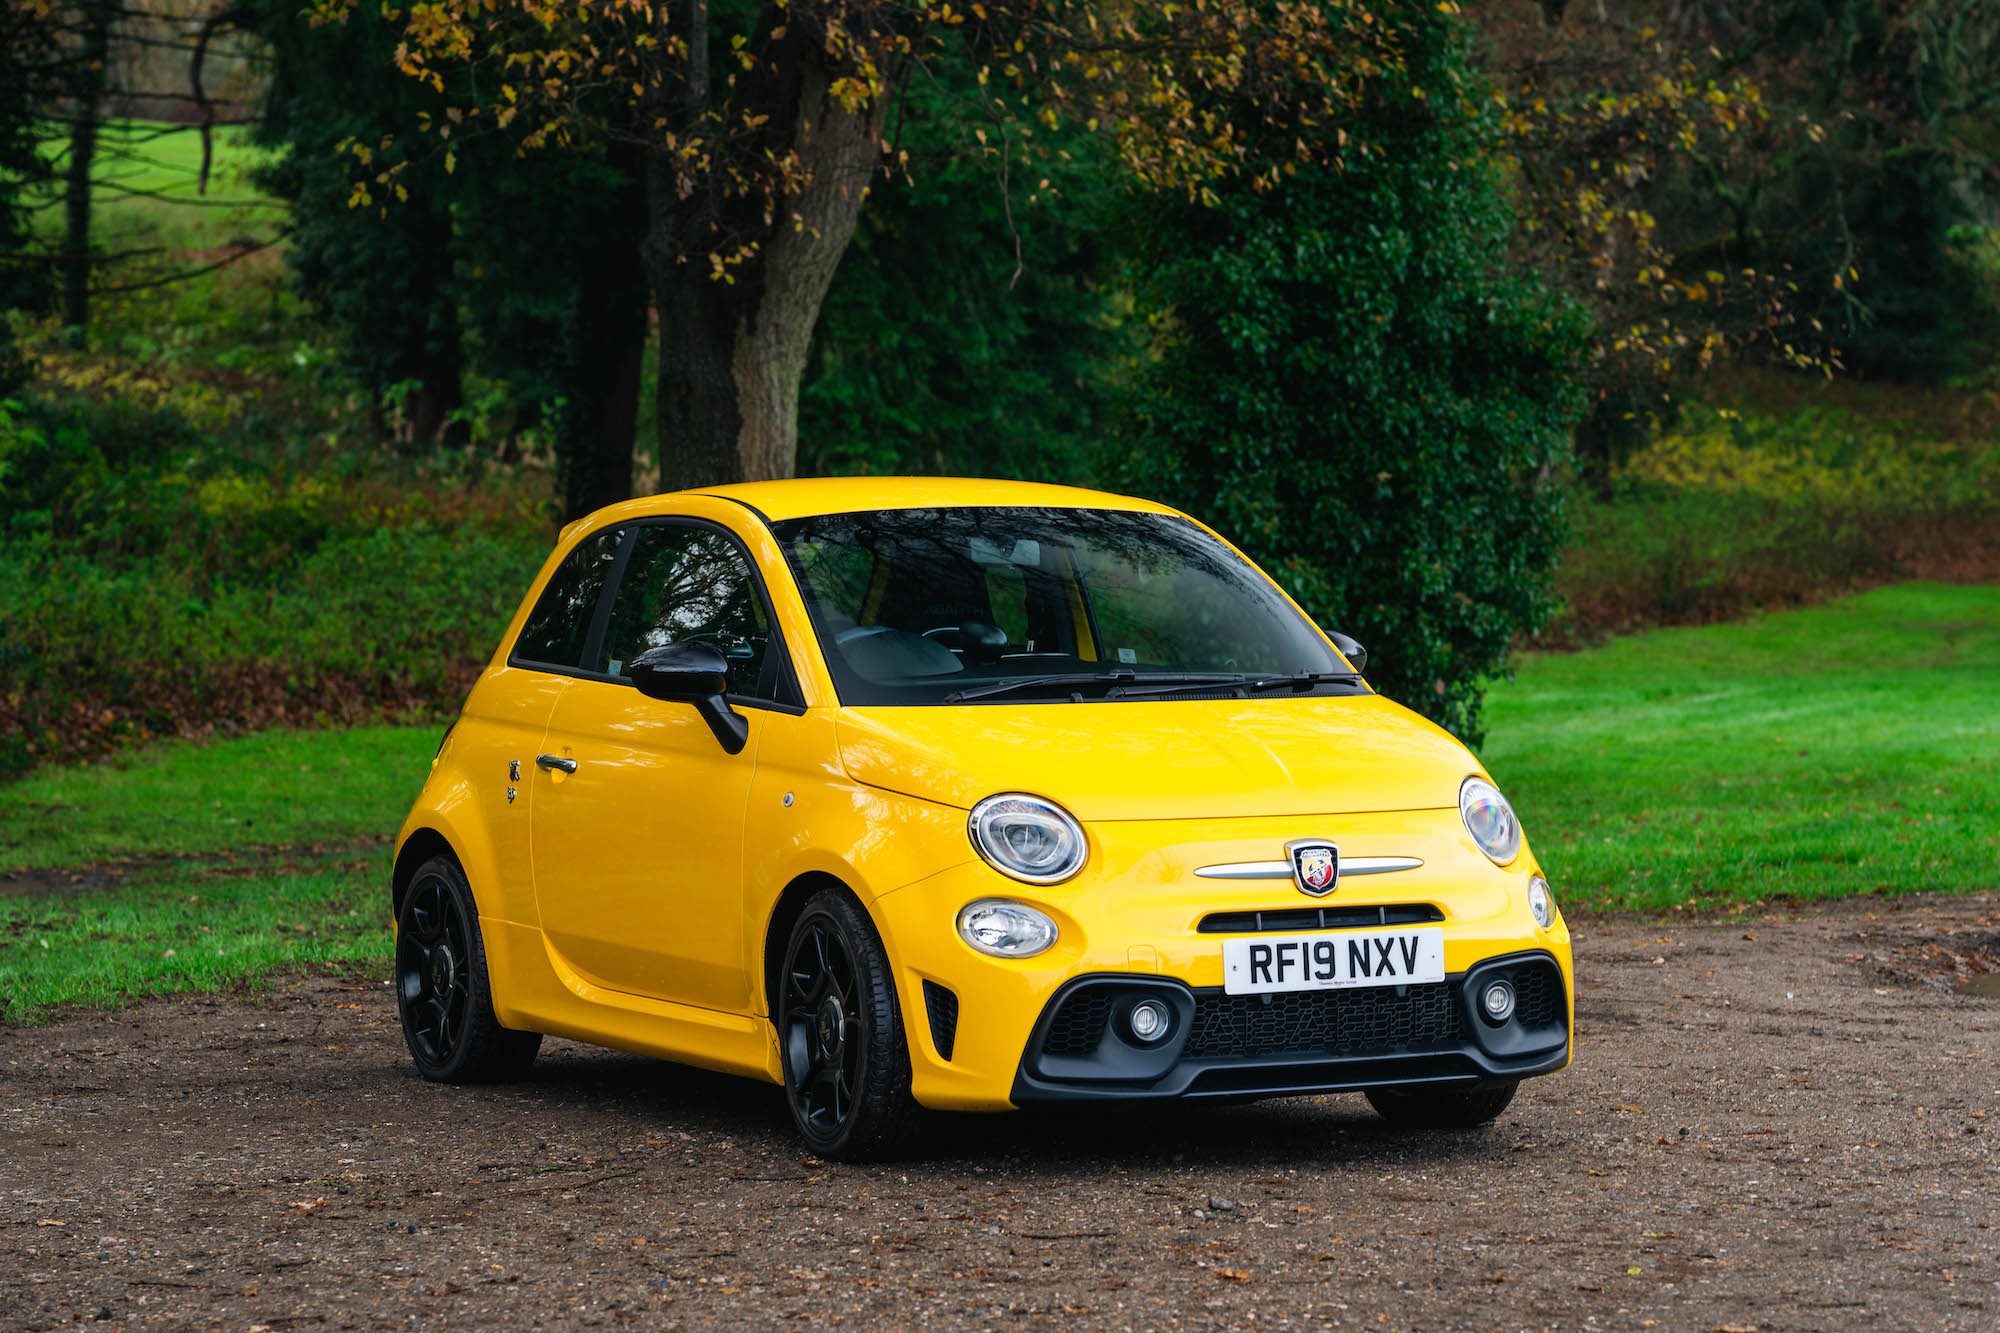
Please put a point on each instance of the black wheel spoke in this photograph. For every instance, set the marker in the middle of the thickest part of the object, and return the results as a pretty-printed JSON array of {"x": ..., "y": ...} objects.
[
  {"x": 433, "y": 955},
  {"x": 823, "y": 1034}
]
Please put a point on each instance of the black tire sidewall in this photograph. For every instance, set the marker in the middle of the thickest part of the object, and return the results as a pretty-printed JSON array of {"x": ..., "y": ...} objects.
[
  {"x": 882, "y": 1100},
  {"x": 482, "y": 1029}
]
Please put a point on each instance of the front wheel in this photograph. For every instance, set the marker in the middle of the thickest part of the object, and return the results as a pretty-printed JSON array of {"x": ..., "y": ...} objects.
[
  {"x": 1440, "y": 1108},
  {"x": 443, "y": 993},
  {"x": 840, "y": 1034}
]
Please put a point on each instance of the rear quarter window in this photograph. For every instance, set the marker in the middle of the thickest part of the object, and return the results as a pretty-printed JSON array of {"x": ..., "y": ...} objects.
[{"x": 559, "y": 627}]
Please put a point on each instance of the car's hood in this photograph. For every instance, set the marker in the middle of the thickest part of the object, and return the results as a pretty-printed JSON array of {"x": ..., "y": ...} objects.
[{"x": 1163, "y": 760}]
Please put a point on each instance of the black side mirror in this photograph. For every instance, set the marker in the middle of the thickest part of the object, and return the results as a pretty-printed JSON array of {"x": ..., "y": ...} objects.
[
  {"x": 693, "y": 672},
  {"x": 1350, "y": 650}
]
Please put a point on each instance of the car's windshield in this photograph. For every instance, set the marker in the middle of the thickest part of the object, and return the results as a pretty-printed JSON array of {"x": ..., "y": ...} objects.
[{"x": 920, "y": 606}]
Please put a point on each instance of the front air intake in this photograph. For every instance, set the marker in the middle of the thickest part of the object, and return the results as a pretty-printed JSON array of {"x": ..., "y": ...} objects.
[{"x": 941, "y": 1006}]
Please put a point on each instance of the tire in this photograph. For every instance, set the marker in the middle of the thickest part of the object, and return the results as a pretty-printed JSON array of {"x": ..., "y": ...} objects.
[
  {"x": 443, "y": 993},
  {"x": 840, "y": 1035},
  {"x": 1440, "y": 1108}
]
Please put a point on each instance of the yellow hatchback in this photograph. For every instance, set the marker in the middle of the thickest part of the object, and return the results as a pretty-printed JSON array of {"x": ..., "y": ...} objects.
[{"x": 967, "y": 795}]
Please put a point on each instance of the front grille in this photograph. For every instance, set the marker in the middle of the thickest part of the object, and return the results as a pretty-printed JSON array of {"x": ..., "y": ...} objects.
[
  {"x": 1079, "y": 1024},
  {"x": 1338, "y": 1022},
  {"x": 1318, "y": 918},
  {"x": 941, "y": 1003},
  {"x": 1538, "y": 996}
]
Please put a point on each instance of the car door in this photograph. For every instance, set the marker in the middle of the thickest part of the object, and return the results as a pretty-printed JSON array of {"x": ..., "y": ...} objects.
[
  {"x": 639, "y": 812},
  {"x": 500, "y": 729}
]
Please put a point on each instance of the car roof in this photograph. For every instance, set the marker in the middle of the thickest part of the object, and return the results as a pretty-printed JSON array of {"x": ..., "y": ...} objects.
[{"x": 806, "y": 496}]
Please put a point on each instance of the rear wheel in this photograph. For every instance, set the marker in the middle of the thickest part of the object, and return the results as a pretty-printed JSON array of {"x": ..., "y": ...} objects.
[
  {"x": 442, "y": 989},
  {"x": 840, "y": 1034},
  {"x": 1440, "y": 1108}
]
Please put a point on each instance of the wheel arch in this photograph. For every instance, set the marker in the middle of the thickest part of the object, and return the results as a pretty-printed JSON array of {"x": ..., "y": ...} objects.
[
  {"x": 785, "y": 914},
  {"x": 419, "y": 847}
]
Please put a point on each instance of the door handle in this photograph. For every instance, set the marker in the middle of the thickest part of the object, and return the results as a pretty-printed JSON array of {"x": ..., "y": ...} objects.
[{"x": 555, "y": 763}]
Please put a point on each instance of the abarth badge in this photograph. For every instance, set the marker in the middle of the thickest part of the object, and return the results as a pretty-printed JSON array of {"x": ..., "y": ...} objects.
[{"x": 1315, "y": 865}]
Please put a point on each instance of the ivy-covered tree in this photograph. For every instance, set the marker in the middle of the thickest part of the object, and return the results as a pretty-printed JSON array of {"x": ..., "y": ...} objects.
[
  {"x": 973, "y": 328},
  {"x": 1350, "y": 382}
]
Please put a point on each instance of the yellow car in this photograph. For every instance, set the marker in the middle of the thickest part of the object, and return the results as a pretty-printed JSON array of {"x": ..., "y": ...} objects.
[{"x": 967, "y": 795}]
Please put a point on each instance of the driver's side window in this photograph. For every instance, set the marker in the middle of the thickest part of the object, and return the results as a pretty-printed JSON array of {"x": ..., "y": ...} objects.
[{"x": 685, "y": 582}]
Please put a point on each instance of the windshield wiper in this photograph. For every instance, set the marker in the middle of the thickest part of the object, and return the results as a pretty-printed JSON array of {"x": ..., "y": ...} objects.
[
  {"x": 1108, "y": 678},
  {"x": 1301, "y": 680}
]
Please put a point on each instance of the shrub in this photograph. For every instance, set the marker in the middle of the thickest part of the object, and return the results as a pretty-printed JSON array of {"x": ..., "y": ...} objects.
[
  {"x": 1349, "y": 384},
  {"x": 391, "y": 623}
]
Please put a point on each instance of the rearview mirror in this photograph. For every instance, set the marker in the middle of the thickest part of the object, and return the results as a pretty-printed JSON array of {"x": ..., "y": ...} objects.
[
  {"x": 693, "y": 672},
  {"x": 1352, "y": 651}
]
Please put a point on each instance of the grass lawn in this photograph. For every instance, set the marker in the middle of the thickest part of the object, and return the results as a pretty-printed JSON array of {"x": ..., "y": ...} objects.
[
  {"x": 275, "y": 788},
  {"x": 190, "y": 889},
  {"x": 186, "y": 929},
  {"x": 1850, "y": 748},
  {"x": 1847, "y": 748}
]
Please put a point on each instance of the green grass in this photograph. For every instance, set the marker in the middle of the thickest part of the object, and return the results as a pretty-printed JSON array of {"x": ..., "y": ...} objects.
[
  {"x": 201, "y": 931},
  {"x": 271, "y": 789},
  {"x": 1848, "y": 748},
  {"x": 148, "y": 176},
  {"x": 232, "y": 911}
]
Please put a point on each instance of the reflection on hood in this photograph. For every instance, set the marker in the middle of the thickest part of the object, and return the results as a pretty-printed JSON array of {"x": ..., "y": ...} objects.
[{"x": 1214, "y": 758}]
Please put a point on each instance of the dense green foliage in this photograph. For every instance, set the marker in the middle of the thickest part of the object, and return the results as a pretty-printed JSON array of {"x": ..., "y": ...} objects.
[
  {"x": 391, "y": 622},
  {"x": 1903, "y": 166},
  {"x": 1850, "y": 748},
  {"x": 973, "y": 327},
  {"x": 1351, "y": 387},
  {"x": 1772, "y": 498},
  {"x": 27, "y": 51}
]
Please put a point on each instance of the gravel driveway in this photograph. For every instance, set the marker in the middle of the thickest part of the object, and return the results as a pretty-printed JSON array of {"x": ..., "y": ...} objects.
[{"x": 1781, "y": 1121}]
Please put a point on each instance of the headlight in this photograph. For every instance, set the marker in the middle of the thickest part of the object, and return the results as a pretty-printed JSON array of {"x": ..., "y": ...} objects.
[
  {"x": 1005, "y": 929},
  {"x": 1027, "y": 837},
  {"x": 1489, "y": 819},
  {"x": 1540, "y": 903}
]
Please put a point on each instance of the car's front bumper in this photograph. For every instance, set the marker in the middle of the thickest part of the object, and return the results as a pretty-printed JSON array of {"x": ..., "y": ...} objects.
[
  {"x": 1136, "y": 917},
  {"x": 1220, "y": 1045}
]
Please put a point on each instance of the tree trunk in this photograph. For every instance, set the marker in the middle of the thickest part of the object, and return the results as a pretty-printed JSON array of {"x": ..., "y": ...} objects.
[
  {"x": 732, "y": 350},
  {"x": 432, "y": 355},
  {"x": 88, "y": 98},
  {"x": 606, "y": 345}
]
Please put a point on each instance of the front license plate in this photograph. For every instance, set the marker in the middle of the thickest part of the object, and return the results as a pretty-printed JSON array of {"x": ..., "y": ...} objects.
[{"x": 1330, "y": 961}]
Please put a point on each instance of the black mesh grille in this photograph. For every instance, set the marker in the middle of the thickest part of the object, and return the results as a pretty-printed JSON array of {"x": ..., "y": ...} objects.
[
  {"x": 1079, "y": 1024},
  {"x": 1340, "y": 1022},
  {"x": 942, "y": 1006},
  {"x": 1318, "y": 918},
  {"x": 1538, "y": 996}
]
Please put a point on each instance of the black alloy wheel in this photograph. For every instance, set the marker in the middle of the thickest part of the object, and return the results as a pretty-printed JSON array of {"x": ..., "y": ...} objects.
[
  {"x": 442, "y": 990},
  {"x": 846, "y": 1063},
  {"x": 1440, "y": 1108}
]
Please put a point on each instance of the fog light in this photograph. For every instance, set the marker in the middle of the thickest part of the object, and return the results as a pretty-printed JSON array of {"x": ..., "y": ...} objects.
[
  {"x": 1005, "y": 928},
  {"x": 1540, "y": 903},
  {"x": 1148, "y": 1021},
  {"x": 1498, "y": 1002}
]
